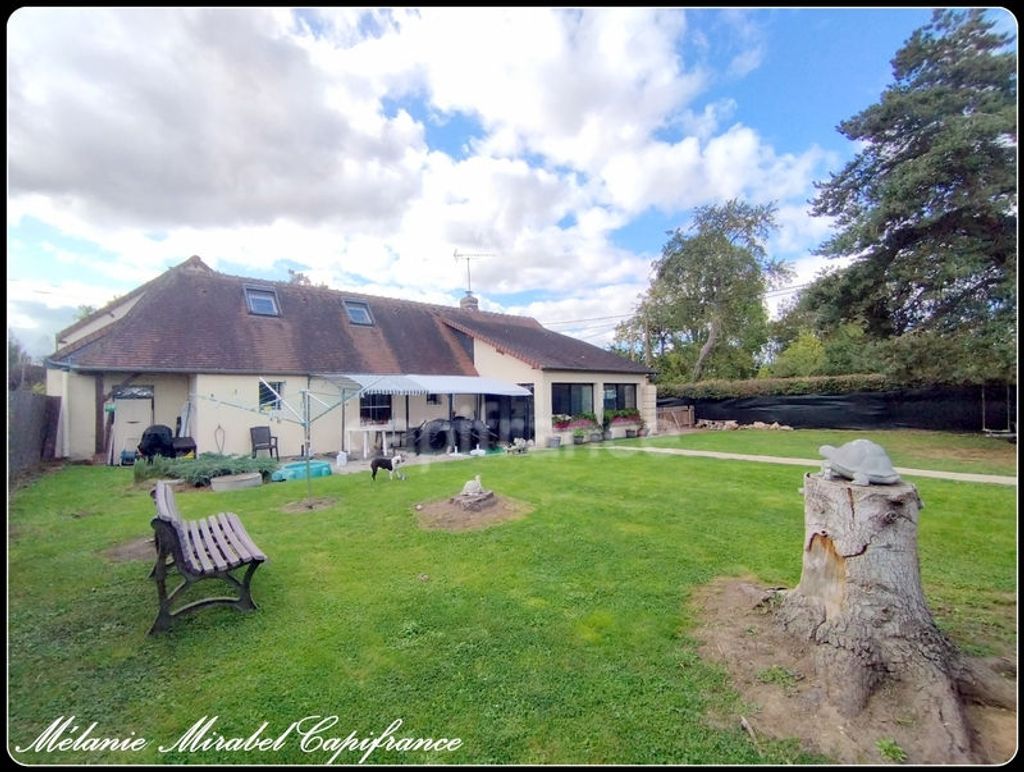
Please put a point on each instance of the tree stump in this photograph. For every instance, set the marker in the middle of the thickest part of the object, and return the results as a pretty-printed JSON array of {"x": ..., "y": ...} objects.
[{"x": 860, "y": 601}]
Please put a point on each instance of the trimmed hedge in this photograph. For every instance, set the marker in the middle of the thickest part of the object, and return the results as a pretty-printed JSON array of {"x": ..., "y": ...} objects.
[{"x": 765, "y": 387}]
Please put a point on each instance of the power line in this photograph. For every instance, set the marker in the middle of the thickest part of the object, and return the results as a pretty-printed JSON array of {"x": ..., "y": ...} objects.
[
  {"x": 786, "y": 290},
  {"x": 592, "y": 319}
]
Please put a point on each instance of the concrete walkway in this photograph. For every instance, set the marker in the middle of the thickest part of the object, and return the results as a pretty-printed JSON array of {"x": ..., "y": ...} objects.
[{"x": 993, "y": 479}]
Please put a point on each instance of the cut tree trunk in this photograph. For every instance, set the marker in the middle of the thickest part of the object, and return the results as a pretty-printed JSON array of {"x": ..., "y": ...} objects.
[
  {"x": 860, "y": 601},
  {"x": 705, "y": 350}
]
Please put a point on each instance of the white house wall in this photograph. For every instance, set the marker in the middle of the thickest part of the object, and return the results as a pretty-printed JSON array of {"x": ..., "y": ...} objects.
[
  {"x": 491, "y": 362},
  {"x": 78, "y": 397},
  {"x": 226, "y": 407},
  {"x": 78, "y": 404},
  {"x": 645, "y": 396}
]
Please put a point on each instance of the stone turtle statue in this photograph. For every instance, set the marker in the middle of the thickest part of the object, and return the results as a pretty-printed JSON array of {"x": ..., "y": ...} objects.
[
  {"x": 863, "y": 462},
  {"x": 472, "y": 487}
]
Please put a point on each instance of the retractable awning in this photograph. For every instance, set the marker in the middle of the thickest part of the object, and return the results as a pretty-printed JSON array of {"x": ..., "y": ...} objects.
[{"x": 366, "y": 383}]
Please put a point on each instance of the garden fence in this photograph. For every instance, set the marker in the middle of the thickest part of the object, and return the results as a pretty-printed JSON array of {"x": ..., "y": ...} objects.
[{"x": 31, "y": 429}]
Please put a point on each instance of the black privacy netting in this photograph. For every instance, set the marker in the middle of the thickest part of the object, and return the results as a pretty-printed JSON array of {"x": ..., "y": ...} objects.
[{"x": 939, "y": 408}]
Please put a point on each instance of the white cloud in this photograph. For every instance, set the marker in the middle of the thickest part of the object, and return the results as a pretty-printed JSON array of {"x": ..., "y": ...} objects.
[
  {"x": 252, "y": 137},
  {"x": 687, "y": 173},
  {"x": 199, "y": 116}
]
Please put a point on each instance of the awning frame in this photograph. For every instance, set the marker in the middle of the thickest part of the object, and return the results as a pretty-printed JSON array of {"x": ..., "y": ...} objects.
[{"x": 409, "y": 384}]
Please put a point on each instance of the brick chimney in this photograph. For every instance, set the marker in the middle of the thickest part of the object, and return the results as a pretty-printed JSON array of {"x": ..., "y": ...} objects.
[{"x": 469, "y": 303}]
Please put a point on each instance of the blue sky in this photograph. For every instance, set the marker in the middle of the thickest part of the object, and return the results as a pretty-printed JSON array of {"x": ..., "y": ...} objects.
[{"x": 366, "y": 147}]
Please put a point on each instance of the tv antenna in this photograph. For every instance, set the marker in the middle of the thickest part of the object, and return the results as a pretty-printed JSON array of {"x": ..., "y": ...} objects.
[{"x": 468, "y": 256}]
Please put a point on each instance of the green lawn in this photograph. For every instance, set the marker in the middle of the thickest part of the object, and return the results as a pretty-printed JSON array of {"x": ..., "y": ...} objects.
[
  {"x": 914, "y": 449},
  {"x": 561, "y": 637}
]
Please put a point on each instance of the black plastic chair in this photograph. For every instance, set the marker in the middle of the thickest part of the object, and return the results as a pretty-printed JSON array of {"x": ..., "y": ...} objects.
[{"x": 263, "y": 440}]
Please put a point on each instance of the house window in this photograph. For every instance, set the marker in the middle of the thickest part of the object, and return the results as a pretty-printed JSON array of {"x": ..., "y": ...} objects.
[
  {"x": 358, "y": 313},
  {"x": 572, "y": 398},
  {"x": 433, "y": 399},
  {"x": 375, "y": 408},
  {"x": 262, "y": 302},
  {"x": 268, "y": 399},
  {"x": 619, "y": 396}
]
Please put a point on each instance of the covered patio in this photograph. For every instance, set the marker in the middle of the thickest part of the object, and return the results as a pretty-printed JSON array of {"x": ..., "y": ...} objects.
[{"x": 422, "y": 400}]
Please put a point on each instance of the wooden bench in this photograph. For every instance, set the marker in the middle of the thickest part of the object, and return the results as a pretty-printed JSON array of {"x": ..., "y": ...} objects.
[{"x": 210, "y": 548}]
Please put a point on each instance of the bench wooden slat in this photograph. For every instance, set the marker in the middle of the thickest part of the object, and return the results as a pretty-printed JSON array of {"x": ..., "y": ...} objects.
[
  {"x": 214, "y": 548},
  {"x": 227, "y": 528},
  {"x": 224, "y": 542},
  {"x": 167, "y": 507},
  {"x": 239, "y": 537},
  {"x": 243, "y": 535},
  {"x": 200, "y": 558}
]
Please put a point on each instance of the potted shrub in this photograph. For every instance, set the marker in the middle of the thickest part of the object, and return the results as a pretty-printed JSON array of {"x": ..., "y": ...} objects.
[{"x": 578, "y": 436}]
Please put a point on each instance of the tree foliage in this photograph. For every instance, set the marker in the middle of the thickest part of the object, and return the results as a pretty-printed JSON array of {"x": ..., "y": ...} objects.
[
  {"x": 927, "y": 210},
  {"x": 17, "y": 356},
  {"x": 299, "y": 278},
  {"x": 804, "y": 356},
  {"x": 703, "y": 313}
]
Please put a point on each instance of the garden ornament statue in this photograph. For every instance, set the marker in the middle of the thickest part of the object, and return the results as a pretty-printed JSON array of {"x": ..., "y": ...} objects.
[
  {"x": 473, "y": 487},
  {"x": 863, "y": 462}
]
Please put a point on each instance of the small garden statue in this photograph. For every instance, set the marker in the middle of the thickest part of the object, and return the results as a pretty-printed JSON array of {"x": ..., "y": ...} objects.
[
  {"x": 473, "y": 497},
  {"x": 472, "y": 487},
  {"x": 863, "y": 462}
]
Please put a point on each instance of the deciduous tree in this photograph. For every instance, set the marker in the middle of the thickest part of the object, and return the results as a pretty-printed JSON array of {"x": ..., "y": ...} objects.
[{"x": 708, "y": 286}]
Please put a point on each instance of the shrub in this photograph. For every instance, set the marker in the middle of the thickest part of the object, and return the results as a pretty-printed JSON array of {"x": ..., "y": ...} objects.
[
  {"x": 760, "y": 387},
  {"x": 199, "y": 471}
]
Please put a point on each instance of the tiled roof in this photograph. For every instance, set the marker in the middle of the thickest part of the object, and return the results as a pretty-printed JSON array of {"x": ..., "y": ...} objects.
[
  {"x": 525, "y": 339},
  {"x": 193, "y": 319}
]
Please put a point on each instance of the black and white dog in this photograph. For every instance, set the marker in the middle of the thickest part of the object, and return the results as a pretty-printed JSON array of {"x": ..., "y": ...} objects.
[{"x": 391, "y": 464}]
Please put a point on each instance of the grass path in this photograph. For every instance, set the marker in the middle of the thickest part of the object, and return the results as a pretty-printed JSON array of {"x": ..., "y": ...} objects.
[
  {"x": 815, "y": 464},
  {"x": 938, "y": 451}
]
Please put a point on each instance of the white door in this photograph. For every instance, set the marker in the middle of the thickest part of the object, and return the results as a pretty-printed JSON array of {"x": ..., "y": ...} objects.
[{"x": 131, "y": 418}]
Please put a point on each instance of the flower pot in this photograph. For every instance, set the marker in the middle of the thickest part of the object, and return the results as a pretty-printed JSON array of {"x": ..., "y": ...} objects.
[
  {"x": 631, "y": 433},
  {"x": 596, "y": 436},
  {"x": 554, "y": 442},
  {"x": 578, "y": 440}
]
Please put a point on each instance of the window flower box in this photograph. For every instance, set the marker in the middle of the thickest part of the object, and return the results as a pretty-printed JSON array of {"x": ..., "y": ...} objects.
[{"x": 565, "y": 423}]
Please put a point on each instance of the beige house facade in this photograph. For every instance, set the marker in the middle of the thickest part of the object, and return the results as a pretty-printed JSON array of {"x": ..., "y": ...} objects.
[{"x": 210, "y": 356}]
